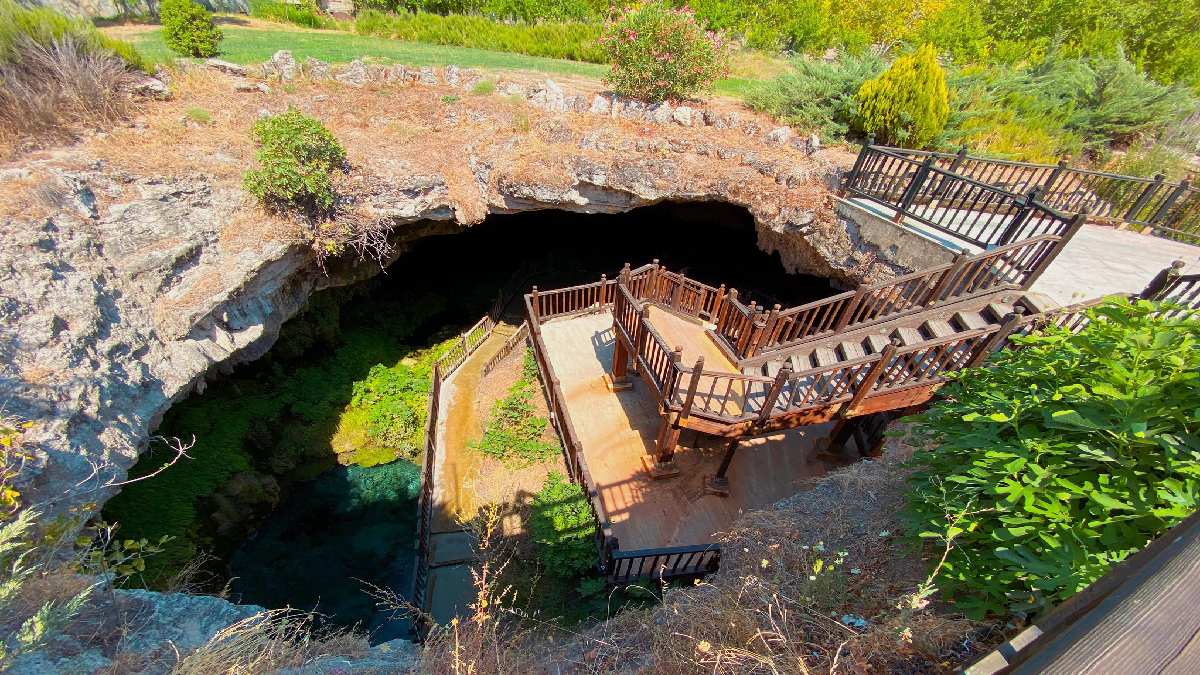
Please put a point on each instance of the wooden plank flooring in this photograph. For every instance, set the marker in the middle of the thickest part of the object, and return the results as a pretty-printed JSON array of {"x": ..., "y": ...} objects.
[{"x": 617, "y": 429}]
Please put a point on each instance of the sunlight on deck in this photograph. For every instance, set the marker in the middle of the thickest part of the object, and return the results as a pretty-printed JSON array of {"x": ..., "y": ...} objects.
[{"x": 617, "y": 429}]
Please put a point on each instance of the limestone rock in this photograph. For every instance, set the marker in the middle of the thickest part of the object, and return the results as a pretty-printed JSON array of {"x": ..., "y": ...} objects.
[
  {"x": 356, "y": 74},
  {"x": 451, "y": 75},
  {"x": 779, "y": 135},
  {"x": 601, "y": 105},
  {"x": 660, "y": 113},
  {"x": 282, "y": 65},
  {"x": 631, "y": 109},
  {"x": 683, "y": 116},
  {"x": 149, "y": 87},
  {"x": 427, "y": 76},
  {"x": 252, "y": 87},
  {"x": 227, "y": 67},
  {"x": 316, "y": 69}
]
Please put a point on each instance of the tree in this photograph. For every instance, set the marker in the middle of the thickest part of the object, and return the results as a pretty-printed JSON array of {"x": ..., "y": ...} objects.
[
  {"x": 188, "y": 28},
  {"x": 909, "y": 103}
]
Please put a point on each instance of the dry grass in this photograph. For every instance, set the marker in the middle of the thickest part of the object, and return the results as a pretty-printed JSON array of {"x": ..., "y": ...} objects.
[
  {"x": 52, "y": 90},
  {"x": 267, "y": 642}
]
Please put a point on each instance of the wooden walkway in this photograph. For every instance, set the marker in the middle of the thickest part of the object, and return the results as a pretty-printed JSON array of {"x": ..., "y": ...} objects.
[{"x": 618, "y": 430}]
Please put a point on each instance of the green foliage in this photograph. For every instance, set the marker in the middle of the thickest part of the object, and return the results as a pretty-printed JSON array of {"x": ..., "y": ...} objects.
[
  {"x": 297, "y": 157},
  {"x": 661, "y": 53},
  {"x": 562, "y": 40},
  {"x": 198, "y": 115},
  {"x": 396, "y": 398},
  {"x": 483, "y": 88},
  {"x": 794, "y": 25},
  {"x": 188, "y": 28},
  {"x": 908, "y": 103},
  {"x": 515, "y": 431},
  {"x": 45, "y": 26},
  {"x": 563, "y": 527},
  {"x": 818, "y": 95},
  {"x": 305, "y": 13},
  {"x": 1065, "y": 457}
]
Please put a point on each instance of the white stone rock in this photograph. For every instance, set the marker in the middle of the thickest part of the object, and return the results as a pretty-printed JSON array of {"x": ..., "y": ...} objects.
[
  {"x": 661, "y": 113},
  {"x": 452, "y": 75},
  {"x": 227, "y": 67},
  {"x": 683, "y": 116},
  {"x": 427, "y": 76},
  {"x": 356, "y": 74},
  {"x": 284, "y": 66},
  {"x": 316, "y": 69},
  {"x": 779, "y": 135},
  {"x": 601, "y": 105}
]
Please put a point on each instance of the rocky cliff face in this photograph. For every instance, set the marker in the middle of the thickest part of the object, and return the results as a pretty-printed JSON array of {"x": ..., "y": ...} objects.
[{"x": 133, "y": 265}]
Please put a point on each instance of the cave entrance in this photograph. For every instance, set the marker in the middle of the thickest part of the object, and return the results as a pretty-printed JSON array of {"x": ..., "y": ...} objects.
[{"x": 290, "y": 490}]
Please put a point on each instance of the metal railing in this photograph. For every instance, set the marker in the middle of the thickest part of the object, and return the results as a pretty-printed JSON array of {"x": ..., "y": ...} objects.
[{"x": 1170, "y": 208}]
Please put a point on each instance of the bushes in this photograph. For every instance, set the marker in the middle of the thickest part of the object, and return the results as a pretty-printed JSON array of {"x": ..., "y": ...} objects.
[
  {"x": 1065, "y": 457},
  {"x": 818, "y": 95},
  {"x": 297, "y": 155},
  {"x": 660, "y": 53},
  {"x": 908, "y": 104},
  {"x": 514, "y": 432},
  {"x": 395, "y": 399},
  {"x": 188, "y": 28},
  {"x": 58, "y": 73},
  {"x": 305, "y": 14},
  {"x": 563, "y": 528},
  {"x": 575, "y": 41}
]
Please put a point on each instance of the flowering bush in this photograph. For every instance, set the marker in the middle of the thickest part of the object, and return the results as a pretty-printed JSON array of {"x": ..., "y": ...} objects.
[{"x": 658, "y": 53}]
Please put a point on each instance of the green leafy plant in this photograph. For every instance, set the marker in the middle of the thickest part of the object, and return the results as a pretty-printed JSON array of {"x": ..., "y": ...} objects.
[
  {"x": 660, "y": 53},
  {"x": 188, "y": 28},
  {"x": 297, "y": 157},
  {"x": 818, "y": 95},
  {"x": 515, "y": 431},
  {"x": 562, "y": 526},
  {"x": 395, "y": 399},
  {"x": 1060, "y": 459},
  {"x": 304, "y": 13},
  {"x": 483, "y": 88},
  {"x": 198, "y": 115},
  {"x": 450, "y": 98},
  {"x": 908, "y": 103}
]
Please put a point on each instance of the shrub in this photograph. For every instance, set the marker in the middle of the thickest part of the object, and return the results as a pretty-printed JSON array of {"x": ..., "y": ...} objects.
[
  {"x": 1063, "y": 457},
  {"x": 297, "y": 156},
  {"x": 818, "y": 95},
  {"x": 562, "y": 526},
  {"x": 188, "y": 28},
  {"x": 660, "y": 53},
  {"x": 560, "y": 40},
  {"x": 305, "y": 14},
  {"x": 514, "y": 432},
  {"x": 908, "y": 103},
  {"x": 483, "y": 88},
  {"x": 395, "y": 399}
]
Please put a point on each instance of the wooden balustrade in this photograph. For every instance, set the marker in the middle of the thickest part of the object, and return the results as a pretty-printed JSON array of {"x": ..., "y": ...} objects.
[
  {"x": 573, "y": 299},
  {"x": 661, "y": 564}
]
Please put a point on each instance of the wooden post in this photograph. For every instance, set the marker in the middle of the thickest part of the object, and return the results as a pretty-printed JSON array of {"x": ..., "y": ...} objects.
[
  {"x": 620, "y": 364},
  {"x": 718, "y": 484},
  {"x": 1077, "y": 223},
  {"x": 663, "y": 465},
  {"x": 756, "y": 334},
  {"x": 603, "y": 290},
  {"x": 868, "y": 382},
  {"x": 764, "y": 415},
  {"x": 652, "y": 282},
  {"x": 639, "y": 336},
  {"x": 1011, "y": 322},
  {"x": 851, "y": 307},
  {"x": 691, "y": 392},
  {"x": 833, "y": 446},
  {"x": 716, "y": 306},
  {"x": 768, "y": 334},
  {"x": 935, "y": 294},
  {"x": 1150, "y": 190},
  {"x": 678, "y": 291},
  {"x": 533, "y": 307},
  {"x": 1160, "y": 281}
]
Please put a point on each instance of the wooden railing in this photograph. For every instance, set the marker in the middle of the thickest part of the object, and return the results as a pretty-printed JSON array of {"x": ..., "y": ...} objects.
[
  {"x": 466, "y": 344},
  {"x": 1015, "y": 265},
  {"x": 1170, "y": 208},
  {"x": 515, "y": 340},
  {"x": 971, "y": 210},
  {"x": 591, "y": 297},
  {"x": 664, "y": 563},
  {"x": 425, "y": 507}
]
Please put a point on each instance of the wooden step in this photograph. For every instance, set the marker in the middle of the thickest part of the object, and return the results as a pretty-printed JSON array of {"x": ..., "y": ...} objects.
[
  {"x": 907, "y": 336},
  {"x": 1037, "y": 303},
  {"x": 824, "y": 356},
  {"x": 850, "y": 351},
  {"x": 800, "y": 362},
  {"x": 772, "y": 368},
  {"x": 753, "y": 371},
  {"x": 969, "y": 320},
  {"x": 996, "y": 311},
  {"x": 936, "y": 329},
  {"x": 876, "y": 343}
]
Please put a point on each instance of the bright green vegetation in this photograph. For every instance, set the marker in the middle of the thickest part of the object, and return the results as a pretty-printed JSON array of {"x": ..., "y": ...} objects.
[
  {"x": 283, "y": 419},
  {"x": 1060, "y": 459},
  {"x": 394, "y": 400},
  {"x": 563, "y": 528},
  {"x": 43, "y": 26},
  {"x": 574, "y": 41},
  {"x": 351, "y": 523},
  {"x": 302, "y": 14},
  {"x": 907, "y": 104},
  {"x": 660, "y": 53},
  {"x": 188, "y": 28},
  {"x": 1038, "y": 112},
  {"x": 515, "y": 433},
  {"x": 297, "y": 156},
  {"x": 198, "y": 115}
]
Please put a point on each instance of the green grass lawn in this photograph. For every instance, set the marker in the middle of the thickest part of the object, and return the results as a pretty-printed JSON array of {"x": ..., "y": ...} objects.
[{"x": 248, "y": 45}]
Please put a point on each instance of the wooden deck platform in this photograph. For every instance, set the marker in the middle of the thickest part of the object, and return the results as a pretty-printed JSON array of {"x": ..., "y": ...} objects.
[{"x": 617, "y": 429}]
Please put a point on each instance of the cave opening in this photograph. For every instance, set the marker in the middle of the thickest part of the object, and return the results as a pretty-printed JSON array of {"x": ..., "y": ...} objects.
[{"x": 288, "y": 497}]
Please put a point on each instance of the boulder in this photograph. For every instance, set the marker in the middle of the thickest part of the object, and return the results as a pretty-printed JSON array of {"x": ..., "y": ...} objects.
[
  {"x": 601, "y": 105},
  {"x": 779, "y": 135},
  {"x": 660, "y": 112},
  {"x": 282, "y": 65},
  {"x": 149, "y": 87},
  {"x": 683, "y": 116},
  {"x": 227, "y": 67},
  {"x": 427, "y": 76},
  {"x": 356, "y": 74},
  {"x": 252, "y": 87},
  {"x": 452, "y": 75},
  {"x": 316, "y": 69}
]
